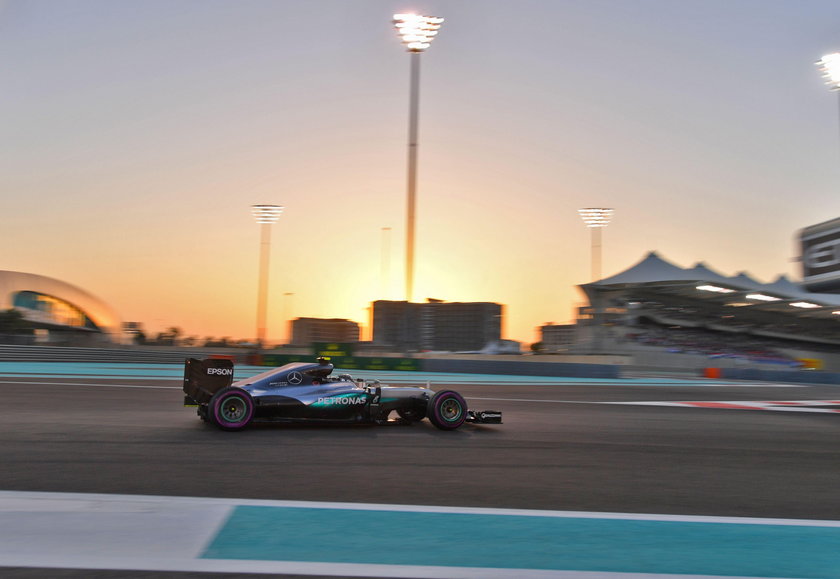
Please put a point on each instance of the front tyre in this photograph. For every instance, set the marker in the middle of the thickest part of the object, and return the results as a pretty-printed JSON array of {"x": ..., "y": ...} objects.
[
  {"x": 231, "y": 408},
  {"x": 447, "y": 410}
]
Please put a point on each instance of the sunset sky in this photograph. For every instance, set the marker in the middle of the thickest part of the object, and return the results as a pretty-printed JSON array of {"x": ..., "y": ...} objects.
[{"x": 135, "y": 136}]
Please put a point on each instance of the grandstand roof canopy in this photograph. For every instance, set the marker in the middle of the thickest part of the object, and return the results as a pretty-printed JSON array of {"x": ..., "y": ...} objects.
[{"x": 657, "y": 275}]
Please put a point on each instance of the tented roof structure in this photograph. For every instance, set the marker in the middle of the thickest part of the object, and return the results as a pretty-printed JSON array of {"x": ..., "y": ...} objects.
[{"x": 655, "y": 275}]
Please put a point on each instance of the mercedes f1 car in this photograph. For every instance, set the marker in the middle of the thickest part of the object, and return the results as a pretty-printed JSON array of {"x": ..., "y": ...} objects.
[{"x": 306, "y": 392}]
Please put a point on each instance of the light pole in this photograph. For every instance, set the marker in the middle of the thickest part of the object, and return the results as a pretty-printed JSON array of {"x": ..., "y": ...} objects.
[
  {"x": 266, "y": 215},
  {"x": 829, "y": 66},
  {"x": 417, "y": 33},
  {"x": 596, "y": 218},
  {"x": 385, "y": 264},
  {"x": 287, "y": 315}
]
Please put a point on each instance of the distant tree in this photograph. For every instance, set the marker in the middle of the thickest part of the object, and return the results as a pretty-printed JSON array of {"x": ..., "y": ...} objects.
[
  {"x": 169, "y": 337},
  {"x": 189, "y": 341},
  {"x": 537, "y": 347},
  {"x": 211, "y": 342},
  {"x": 139, "y": 337},
  {"x": 175, "y": 333}
]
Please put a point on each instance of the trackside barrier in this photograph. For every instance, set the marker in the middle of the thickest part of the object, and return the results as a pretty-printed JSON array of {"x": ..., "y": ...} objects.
[
  {"x": 12, "y": 353},
  {"x": 563, "y": 369},
  {"x": 792, "y": 376},
  {"x": 457, "y": 366},
  {"x": 349, "y": 362}
]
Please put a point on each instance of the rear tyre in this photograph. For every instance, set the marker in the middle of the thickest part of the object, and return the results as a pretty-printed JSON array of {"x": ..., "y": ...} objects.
[
  {"x": 447, "y": 410},
  {"x": 231, "y": 408}
]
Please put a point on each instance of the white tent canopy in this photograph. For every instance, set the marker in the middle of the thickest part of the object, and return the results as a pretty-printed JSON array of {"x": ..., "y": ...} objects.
[{"x": 654, "y": 272}]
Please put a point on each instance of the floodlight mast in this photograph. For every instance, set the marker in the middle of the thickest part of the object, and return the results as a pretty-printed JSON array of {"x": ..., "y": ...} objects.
[
  {"x": 596, "y": 218},
  {"x": 266, "y": 215},
  {"x": 417, "y": 33}
]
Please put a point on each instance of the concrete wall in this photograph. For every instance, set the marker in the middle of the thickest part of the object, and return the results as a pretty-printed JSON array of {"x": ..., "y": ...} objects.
[{"x": 795, "y": 377}]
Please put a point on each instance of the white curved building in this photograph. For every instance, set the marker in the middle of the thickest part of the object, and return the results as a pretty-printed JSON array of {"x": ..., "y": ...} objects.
[{"x": 57, "y": 306}]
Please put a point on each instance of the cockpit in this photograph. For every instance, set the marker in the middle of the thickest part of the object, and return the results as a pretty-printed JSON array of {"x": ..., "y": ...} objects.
[{"x": 294, "y": 374}]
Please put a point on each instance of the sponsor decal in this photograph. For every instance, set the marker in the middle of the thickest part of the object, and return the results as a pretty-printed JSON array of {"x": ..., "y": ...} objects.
[
  {"x": 295, "y": 378},
  {"x": 220, "y": 371},
  {"x": 342, "y": 400}
]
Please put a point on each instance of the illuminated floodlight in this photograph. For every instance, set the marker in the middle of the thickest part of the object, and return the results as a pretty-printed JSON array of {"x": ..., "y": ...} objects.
[
  {"x": 267, "y": 213},
  {"x": 836, "y": 312},
  {"x": 805, "y": 305},
  {"x": 829, "y": 66},
  {"x": 596, "y": 216},
  {"x": 714, "y": 288},
  {"x": 417, "y": 32},
  {"x": 763, "y": 298}
]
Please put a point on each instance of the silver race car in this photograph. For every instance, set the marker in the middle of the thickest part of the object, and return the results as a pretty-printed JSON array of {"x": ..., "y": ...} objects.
[{"x": 306, "y": 392}]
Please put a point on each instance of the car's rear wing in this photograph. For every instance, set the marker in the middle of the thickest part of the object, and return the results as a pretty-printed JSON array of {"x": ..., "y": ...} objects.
[{"x": 203, "y": 378}]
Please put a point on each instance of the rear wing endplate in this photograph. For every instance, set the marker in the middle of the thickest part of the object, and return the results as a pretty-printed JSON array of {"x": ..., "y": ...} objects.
[{"x": 203, "y": 378}]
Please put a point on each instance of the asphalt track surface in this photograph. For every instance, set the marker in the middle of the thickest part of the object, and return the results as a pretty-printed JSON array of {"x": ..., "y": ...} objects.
[{"x": 564, "y": 446}]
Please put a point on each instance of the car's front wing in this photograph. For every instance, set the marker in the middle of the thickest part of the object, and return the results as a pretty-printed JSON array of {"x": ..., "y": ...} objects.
[{"x": 484, "y": 416}]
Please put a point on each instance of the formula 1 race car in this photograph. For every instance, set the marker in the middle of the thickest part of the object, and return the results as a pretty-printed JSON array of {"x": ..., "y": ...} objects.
[{"x": 305, "y": 392}]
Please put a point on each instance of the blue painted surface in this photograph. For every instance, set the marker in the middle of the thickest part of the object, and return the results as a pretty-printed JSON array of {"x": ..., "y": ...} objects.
[
  {"x": 528, "y": 542},
  {"x": 104, "y": 370},
  {"x": 126, "y": 371}
]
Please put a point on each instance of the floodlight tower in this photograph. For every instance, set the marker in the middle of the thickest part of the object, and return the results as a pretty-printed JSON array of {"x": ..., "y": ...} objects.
[
  {"x": 596, "y": 218},
  {"x": 829, "y": 66},
  {"x": 266, "y": 215},
  {"x": 417, "y": 33},
  {"x": 385, "y": 264}
]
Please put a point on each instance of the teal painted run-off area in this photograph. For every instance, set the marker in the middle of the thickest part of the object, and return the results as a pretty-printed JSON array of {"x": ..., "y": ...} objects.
[
  {"x": 564, "y": 543},
  {"x": 142, "y": 371}
]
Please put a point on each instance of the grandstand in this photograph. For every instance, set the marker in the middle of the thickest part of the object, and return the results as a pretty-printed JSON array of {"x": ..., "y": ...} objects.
[{"x": 658, "y": 307}]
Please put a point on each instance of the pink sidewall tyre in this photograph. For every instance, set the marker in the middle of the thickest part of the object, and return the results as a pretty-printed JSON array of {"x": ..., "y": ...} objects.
[
  {"x": 231, "y": 408},
  {"x": 447, "y": 410}
]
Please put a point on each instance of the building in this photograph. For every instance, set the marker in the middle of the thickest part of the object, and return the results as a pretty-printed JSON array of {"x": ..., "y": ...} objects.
[
  {"x": 306, "y": 331},
  {"x": 558, "y": 337},
  {"x": 60, "y": 312},
  {"x": 436, "y": 325},
  {"x": 396, "y": 325}
]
